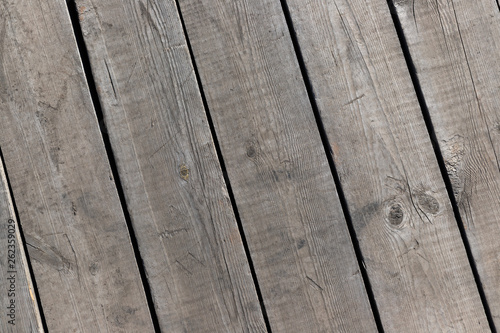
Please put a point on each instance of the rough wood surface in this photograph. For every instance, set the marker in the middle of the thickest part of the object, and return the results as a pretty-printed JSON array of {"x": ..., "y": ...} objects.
[
  {"x": 455, "y": 47},
  {"x": 279, "y": 173},
  {"x": 185, "y": 226},
  {"x": 413, "y": 251},
  {"x": 73, "y": 223},
  {"x": 20, "y": 311}
]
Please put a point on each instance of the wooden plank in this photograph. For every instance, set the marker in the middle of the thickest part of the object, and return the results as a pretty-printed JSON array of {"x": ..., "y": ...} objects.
[
  {"x": 72, "y": 220},
  {"x": 20, "y": 311},
  {"x": 414, "y": 254},
  {"x": 284, "y": 190},
  {"x": 455, "y": 48},
  {"x": 175, "y": 191}
]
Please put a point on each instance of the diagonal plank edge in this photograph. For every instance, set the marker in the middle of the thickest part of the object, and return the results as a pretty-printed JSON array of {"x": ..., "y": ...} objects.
[
  {"x": 283, "y": 187},
  {"x": 20, "y": 310},
  {"x": 415, "y": 257},
  {"x": 173, "y": 184},
  {"x": 73, "y": 224},
  {"x": 454, "y": 47}
]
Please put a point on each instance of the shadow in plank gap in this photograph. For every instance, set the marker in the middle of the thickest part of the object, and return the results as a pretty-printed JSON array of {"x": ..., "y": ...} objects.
[
  {"x": 19, "y": 298},
  {"x": 290, "y": 212},
  {"x": 84, "y": 56},
  {"x": 187, "y": 233},
  {"x": 400, "y": 209},
  {"x": 454, "y": 49},
  {"x": 440, "y": 159},
  {"x": 224, "y": 172},
  {"x": 329, "y": 154},
  {"x": 72, "y": 220}
]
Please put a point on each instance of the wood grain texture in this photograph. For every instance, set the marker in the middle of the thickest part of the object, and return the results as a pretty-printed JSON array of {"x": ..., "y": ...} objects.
[
  {"x": 284, "y": 190},
  {"x": 72, "y": 220},
  {"x": 175, "y": 192},
  {"x": 20, "y": 311},
  {"x": 409, "y": 238},
  {"x": 455, "y": 47}
]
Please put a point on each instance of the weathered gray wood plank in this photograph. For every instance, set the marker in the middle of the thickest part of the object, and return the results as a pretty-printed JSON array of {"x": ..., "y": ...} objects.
[
  {"x": 284, "y": 190},
  {"x": 414, "y": 254},
  {"x": 176, "y": 195},
  {"x": 455, "y": 47},
  {"x": 77, "y": 237},
  {"x": 20, "y": 311}
]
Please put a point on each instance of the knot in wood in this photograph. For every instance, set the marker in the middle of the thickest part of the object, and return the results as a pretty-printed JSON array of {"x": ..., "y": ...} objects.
[
  {"x": 184, "y": 172},
  {"x": 395, "y": 214},
  {"x": 251, "y": 151},
  {"x": 428, "y": 203}
]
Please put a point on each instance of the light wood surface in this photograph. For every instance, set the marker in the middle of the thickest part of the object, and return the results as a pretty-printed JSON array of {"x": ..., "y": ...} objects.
[
  {"x": 175, "y": 192},
  {"x": 20, "y": 311},
  {"x": 351, "y": 89},
  {"x": 411, "y": 245},
  {"x": 455, "y": 47},
  {"x": 284, "y": 190},
  {"x": 73, "y": 223}
]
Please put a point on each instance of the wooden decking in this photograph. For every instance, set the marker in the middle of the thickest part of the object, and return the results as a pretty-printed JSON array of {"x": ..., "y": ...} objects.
[{"x": 249, "y": 166}]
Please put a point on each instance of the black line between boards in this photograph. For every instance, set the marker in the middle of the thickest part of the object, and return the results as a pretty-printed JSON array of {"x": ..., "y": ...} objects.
[
  {"x": 439, "y": 156},
  {"x": 24, "y": 245},
  {"x": 225, "y": 174},
  {"x": 84, "y": 56},
  {"x": 329, "y": 155}
]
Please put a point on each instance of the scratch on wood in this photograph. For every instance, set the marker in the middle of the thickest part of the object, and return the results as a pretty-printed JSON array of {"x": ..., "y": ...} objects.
[
  {"x": 145, "y": 12},
  {"x": 131, "y": 72},
  {"x": 161, "y": 147},
  {"x": 196, "y": 259},
  {"x": 354, "y": 100},
  {"x": 46, "y": 254},
  {"x": 76, "y": 259},
  {"x": 110, "y": 78},
  {"x": 314, "y": 284},
  {"x": 344, "y": 25},
  {"x": 421, "y": 256},
  {"x": 183, "y": 267}
]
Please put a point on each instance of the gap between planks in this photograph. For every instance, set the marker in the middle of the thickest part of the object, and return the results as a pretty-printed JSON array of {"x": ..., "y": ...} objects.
[
  {"x": 204, "y": 170},
  {"x": 439, "y": 157},
  {"x": 224, "y": 173},
  {"x": 328, "y": 153},
  {"x": 22, "y": 245},
  {"x": 244, "y": 73},
  {"x": 84, "y": 56}
]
